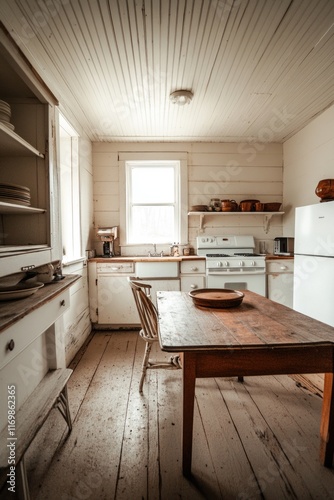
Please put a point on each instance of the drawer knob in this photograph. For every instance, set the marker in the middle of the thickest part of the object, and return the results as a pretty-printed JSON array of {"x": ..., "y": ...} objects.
[
  {"x": 11, "y": 345},
  {"x": 194, "y": 268},
  {"x": 62, "y": 303}
]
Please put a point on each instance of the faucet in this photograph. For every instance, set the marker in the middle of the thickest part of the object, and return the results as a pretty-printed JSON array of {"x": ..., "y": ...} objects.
[{"x": 154, "y": 253}]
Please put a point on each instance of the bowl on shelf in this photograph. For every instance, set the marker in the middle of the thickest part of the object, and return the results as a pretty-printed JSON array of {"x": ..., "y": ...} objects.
[
  {"x": 325, "y": 189},
  {"x": 229, "y": 205},
  {"x": 259, "y": 207},
  {"x": 199, "y": 208},
  {"x": 272, "y": 207},
  {"x": 248, "y": 205}
]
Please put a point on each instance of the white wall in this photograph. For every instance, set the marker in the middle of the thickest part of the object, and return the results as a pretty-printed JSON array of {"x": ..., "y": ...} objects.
[
  {"x": 308, "y": 158},
  {"x": 215, "y": 170}
]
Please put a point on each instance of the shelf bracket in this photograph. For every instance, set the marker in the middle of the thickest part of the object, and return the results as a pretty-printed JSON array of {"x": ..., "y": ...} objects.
[
  {"x": 266, "y": 222},
  {"x": 201, "y": 223}
]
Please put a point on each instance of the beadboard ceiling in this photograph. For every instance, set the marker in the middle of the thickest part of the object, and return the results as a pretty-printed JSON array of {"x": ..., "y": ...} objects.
[{"x": 259, "y": 69}]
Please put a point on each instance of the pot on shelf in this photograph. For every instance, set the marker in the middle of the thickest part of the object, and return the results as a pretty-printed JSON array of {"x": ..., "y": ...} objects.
[
  {"x": 229, "y": 205},
  {"x": 325, "y": 189},
  {"x": 248, "y": 205},
  {"x": 259, "y": 207}
]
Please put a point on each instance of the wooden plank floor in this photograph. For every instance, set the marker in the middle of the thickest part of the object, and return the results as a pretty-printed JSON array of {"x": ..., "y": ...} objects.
[{"x": 257, "y": 439}]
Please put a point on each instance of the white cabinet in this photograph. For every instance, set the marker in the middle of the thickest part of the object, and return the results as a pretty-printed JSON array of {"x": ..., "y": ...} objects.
[
  {"x": 111, "y": 302},
  {"x": 162, "y": 285},
  {"x": 110, "y": 295},
  {"x": 192, "y": 274},
  {"x": 116, "y": 304},
  {"x": 29, "y": 228},
  {"x": 161, "y": 275},
  {"x": 280, "y": 281}
]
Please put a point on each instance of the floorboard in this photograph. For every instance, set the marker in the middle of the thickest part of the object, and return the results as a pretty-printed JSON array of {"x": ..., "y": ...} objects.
[{"x": 253, "y": 440}]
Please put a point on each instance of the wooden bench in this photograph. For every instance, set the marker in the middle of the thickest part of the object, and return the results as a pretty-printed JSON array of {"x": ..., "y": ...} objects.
[{"x": 50, "y": 393}]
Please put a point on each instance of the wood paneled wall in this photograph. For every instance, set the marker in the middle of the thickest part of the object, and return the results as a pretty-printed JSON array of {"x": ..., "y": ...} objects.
[
  {"x": 308, "y": 158},
  {"x": 215, "y": 170}
]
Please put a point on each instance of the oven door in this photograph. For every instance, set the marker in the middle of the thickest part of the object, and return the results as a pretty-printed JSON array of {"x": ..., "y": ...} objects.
[{"x": 238, "y": 281}]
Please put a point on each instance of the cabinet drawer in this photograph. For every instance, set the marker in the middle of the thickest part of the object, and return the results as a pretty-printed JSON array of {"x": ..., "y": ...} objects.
[
  {"x": 189, "y": 283},
  {"x": 193, "y": 266},
  {"x": 280, "y": 266},
  {"x": 115, "y": 268},
  {"x": 26, "y": 330}
]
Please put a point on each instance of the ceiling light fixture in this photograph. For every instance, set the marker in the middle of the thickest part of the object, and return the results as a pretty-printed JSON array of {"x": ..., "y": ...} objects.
[{"x": 181, "y": 97}]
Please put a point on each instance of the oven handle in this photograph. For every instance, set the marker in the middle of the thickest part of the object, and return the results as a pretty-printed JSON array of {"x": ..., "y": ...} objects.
[{"x": 234, "y": 273}]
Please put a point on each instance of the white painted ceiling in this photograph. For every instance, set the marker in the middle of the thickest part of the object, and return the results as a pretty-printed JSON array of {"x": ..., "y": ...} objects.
[{"x": 259, "y": 69}]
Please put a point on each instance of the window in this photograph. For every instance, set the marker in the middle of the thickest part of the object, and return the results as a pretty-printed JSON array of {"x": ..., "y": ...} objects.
[
  {"x": 155, "y": 192},
  {"x": 69, "y": 191}
]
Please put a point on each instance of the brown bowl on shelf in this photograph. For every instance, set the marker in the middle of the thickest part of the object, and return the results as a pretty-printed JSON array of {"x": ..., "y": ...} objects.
[
  {"x": 272, "y": 207},
  {"x": 199, "y": 208},
  {"x": 248, "y": 205},
  {"x": 229, "y": 205},
  {"x": 259, "y": 207},
  {"x": 325, "y": 189}
]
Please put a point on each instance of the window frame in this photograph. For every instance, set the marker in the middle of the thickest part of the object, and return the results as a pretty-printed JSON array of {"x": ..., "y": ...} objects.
[
  {"x": 157, "y": 158},
  {"x": 72, "y": 210}
]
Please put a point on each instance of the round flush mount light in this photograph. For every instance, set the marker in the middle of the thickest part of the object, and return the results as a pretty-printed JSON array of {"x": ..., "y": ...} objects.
[{"x": 181, "y": 97}]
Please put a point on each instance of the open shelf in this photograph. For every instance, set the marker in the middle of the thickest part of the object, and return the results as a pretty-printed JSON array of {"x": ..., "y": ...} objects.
[
  {"x": 266, "y": 216},
  {"x": 11, "y": 144},
  {"x": 14, "y": 209}
]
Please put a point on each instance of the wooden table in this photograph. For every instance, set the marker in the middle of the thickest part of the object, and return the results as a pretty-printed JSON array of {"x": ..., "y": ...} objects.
[{"x": 259, "y": 337}]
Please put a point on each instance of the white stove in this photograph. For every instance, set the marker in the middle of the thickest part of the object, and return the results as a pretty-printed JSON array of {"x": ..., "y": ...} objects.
[{"x": 232, "y": 263}]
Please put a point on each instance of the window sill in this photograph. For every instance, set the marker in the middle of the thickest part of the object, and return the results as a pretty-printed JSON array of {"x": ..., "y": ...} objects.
[{"x": 74, "y": 261}]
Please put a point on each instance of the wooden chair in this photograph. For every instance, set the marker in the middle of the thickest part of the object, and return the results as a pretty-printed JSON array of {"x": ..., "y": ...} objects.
[{"x": 149, "y": 328}]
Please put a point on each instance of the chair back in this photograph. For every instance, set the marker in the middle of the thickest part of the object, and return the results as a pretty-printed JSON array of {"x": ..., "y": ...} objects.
[{"x": 147, "y": 311}]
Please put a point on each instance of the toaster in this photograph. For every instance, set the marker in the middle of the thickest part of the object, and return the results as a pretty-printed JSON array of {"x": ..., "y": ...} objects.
[{"x": 284, "y": 245}]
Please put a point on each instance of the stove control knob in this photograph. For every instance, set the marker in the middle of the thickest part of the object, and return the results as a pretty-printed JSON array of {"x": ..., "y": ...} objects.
[
  {"x": 219, "y": 264},
  {"x": 241, "y": 263},
  {"x": 225, "y": 263},
  {"x": 253, "y": 263}
]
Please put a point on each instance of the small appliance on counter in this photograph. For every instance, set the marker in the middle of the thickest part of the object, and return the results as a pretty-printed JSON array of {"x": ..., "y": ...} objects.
[
  {"x": 108, "y": 235},
  {"x": 284, "y": 245}
]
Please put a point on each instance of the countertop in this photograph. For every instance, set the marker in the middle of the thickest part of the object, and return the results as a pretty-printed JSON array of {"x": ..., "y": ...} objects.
[
  {"x": 168, "y": 258},
  {"x": 276, "y": 257},
  {"x": 143, "y": 258},
  {"x": 14, "y": 310}
]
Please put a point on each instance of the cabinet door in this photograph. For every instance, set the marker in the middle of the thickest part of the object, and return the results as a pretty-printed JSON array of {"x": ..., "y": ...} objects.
[
  {"x": 163, "y": 285},
  {"x": 189, "y": 283},
  {"x": 280, "y": 288},
  {"x": 280, "y": 281},
  {"x": 116, "y": 305}
]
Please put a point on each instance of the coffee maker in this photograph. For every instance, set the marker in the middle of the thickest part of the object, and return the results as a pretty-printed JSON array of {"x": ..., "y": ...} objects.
[{"x": 107, "y": 235}]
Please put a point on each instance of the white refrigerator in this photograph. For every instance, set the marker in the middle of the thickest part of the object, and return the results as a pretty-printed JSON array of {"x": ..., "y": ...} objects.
[{"x": 313, "y": 293}]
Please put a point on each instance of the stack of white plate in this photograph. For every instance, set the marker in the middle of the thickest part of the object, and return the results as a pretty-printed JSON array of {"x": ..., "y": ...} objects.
[
  {"x": 12, "y": 193},
  {"x": 5, "y": 114}
]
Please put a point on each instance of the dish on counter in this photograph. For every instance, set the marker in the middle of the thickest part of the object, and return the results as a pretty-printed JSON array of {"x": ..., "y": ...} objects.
[
  {"x": 19, "y": 291},
  {"x": 220, "y": 298}
]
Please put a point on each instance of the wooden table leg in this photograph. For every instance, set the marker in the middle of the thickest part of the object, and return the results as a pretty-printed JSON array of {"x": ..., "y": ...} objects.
[
  {"x": 189, "y": 380},
  {"x": 327, "y": 422}
]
